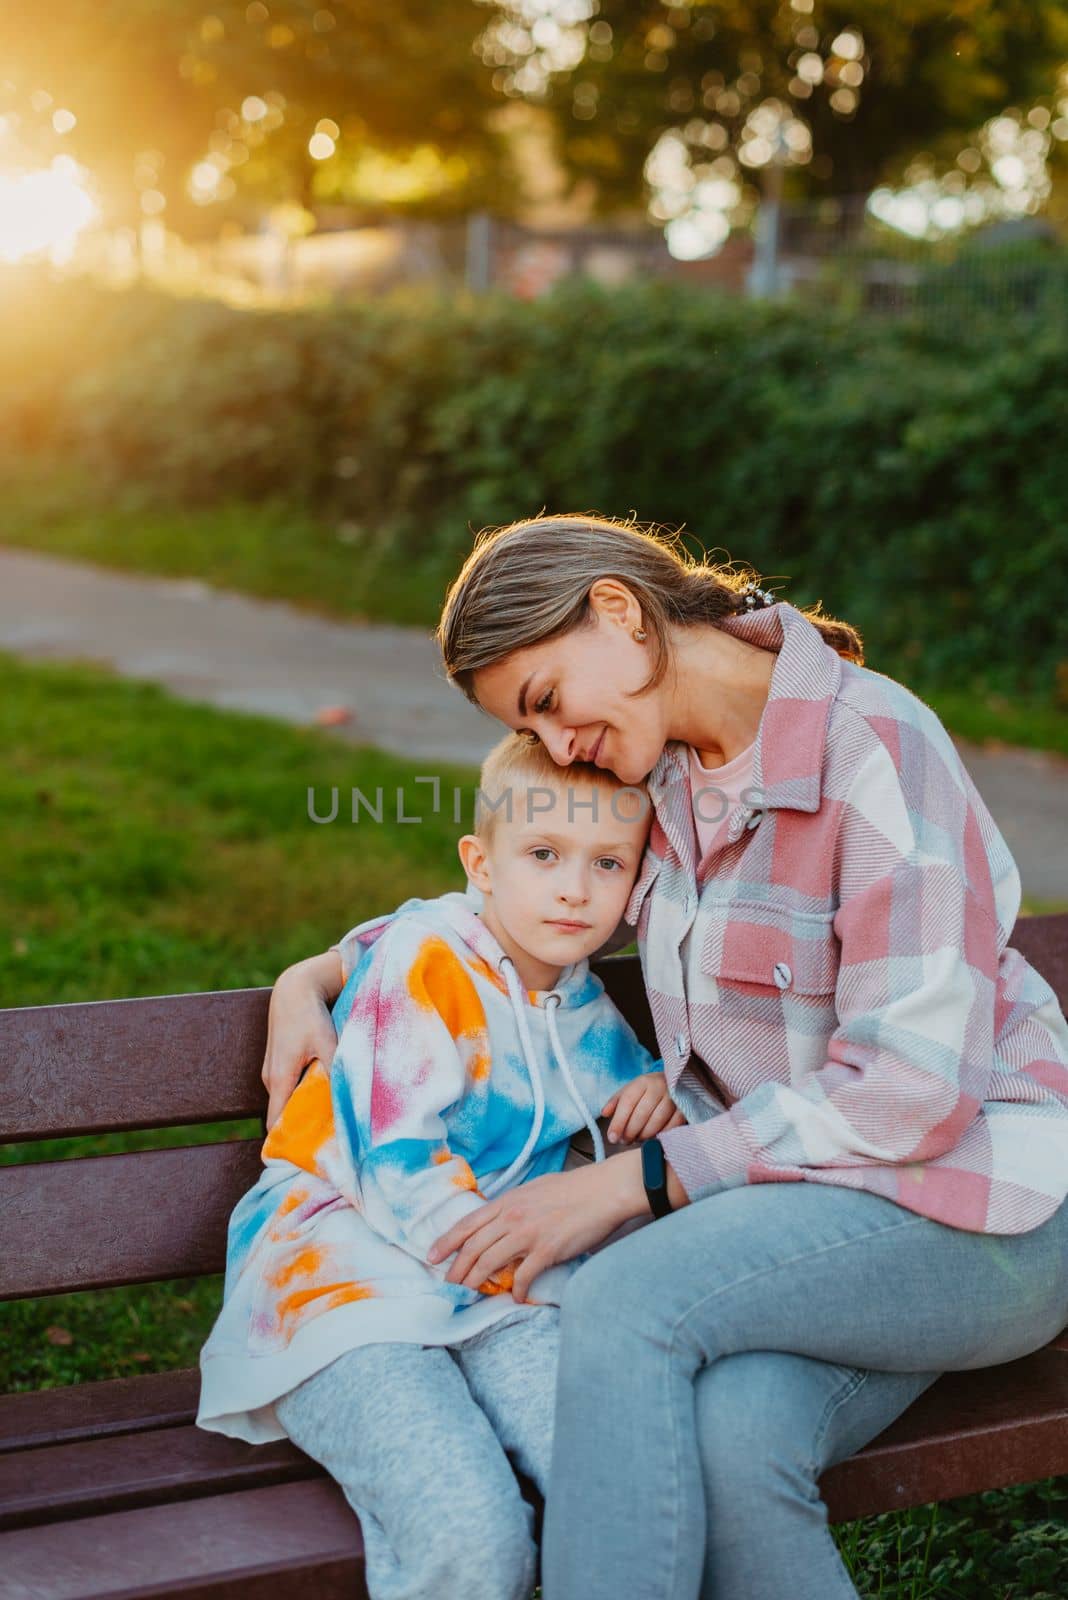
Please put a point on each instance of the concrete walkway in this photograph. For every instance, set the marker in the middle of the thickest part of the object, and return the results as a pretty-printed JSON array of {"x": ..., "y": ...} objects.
[
  {"x": 259, "y": 655},
  {"x": 242, "y": 654}
]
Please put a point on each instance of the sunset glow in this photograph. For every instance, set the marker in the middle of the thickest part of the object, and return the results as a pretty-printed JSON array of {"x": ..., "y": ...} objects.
[{"x": 42, "y": 213}]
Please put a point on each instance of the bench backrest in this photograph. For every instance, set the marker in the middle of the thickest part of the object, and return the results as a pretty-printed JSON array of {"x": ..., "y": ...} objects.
[{"x": 106, "y": 1066}]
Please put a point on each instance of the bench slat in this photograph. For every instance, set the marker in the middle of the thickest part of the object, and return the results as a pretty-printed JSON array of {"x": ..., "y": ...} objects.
[
  {"x": 96, "y": 1410},
  {"x": 106, "y": 1220},
  {"x": 106, "y": 1065},
  {"x": 120, "y": 1473},
  {"x": 970, "y": 1431},
  {"x": 294, "y": 1541},
  {"x": 1043, "y": 941},
  {"x": 622, "y": 978}
]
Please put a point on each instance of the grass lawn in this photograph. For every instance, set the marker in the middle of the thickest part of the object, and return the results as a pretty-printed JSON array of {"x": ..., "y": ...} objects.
[
  {"x": 344, "y": 570},
  {"x": 154, "y": 847}
]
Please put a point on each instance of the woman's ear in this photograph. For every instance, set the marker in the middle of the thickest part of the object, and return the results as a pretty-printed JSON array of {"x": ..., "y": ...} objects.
[
  {"x": 475, "y": 861},
  {"x": 614, "y": 601}
]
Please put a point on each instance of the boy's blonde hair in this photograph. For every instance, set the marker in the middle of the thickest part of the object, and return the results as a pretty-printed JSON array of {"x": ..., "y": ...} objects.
[{"x": 520, "y": 762}]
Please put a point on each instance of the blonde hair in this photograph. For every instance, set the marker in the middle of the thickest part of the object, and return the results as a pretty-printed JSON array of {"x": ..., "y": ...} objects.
[
  {"x": 530, "y": 581},
  {"x": 520, "y": 762}
]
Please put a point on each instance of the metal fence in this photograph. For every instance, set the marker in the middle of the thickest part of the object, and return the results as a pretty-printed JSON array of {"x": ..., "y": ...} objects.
[
  {"x": 838, "y": 253},
  {"x": 823, "y": 253}
]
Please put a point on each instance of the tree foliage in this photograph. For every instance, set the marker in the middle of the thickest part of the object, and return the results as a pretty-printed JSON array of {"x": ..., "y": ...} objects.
[
  {"x": 875, "y": 82},
  {"x": 159, "y": 85},
  {"x": 906, "y": 473},
  {"x": 410, "y": 93}
]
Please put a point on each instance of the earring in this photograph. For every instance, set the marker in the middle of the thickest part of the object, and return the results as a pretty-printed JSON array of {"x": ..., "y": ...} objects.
[{"x": 639, "y": 634}]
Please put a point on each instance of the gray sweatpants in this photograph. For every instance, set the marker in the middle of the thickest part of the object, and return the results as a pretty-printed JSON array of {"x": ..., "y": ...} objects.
[{"x": 416, "y": 1436}]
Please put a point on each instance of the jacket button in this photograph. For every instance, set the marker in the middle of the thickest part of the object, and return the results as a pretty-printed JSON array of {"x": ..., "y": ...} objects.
[{"x": 783, "y": 976}]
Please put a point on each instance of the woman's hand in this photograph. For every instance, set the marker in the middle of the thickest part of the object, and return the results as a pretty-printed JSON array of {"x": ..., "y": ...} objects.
[
  {"x": 641, "y": 1109},
  {"x": 299, "y": 1028},
  {"x": 547, "y": 1220}
]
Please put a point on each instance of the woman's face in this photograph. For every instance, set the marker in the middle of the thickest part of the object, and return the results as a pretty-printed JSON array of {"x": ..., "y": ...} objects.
[{"x": 571, "y": 691}]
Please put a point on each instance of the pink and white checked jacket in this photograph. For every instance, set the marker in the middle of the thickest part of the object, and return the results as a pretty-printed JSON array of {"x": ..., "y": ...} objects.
[{"x": 838, "y": 961}]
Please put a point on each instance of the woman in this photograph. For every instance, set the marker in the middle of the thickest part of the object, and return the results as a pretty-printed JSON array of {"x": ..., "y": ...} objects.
[{"x": 870, "y": 1187}]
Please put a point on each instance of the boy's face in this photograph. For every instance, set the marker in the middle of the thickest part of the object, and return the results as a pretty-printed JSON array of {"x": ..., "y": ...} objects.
[{"x": 557, "y": 875}]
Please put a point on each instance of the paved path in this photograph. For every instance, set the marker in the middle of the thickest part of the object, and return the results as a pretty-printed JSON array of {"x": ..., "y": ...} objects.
[
  {"x": 243, "y": 654},
  {"x": 261, "y": 655}
]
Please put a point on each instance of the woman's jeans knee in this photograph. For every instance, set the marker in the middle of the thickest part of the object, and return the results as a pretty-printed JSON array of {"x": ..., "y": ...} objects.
[{"x": 840, "y": 1277}]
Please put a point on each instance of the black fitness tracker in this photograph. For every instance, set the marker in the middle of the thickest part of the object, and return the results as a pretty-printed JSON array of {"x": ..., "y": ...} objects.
[{"x": 654, "y": 1177}]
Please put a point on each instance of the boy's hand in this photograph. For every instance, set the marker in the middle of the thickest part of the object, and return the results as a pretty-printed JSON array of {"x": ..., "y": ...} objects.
[{"x": 641, "y": 1109}]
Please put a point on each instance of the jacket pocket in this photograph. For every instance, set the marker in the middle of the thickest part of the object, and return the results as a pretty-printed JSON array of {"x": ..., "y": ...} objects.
[{"x": 772, "y": 949}]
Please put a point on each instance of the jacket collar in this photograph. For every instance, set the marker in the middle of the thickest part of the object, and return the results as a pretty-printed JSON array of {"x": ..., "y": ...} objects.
[{"x": 790, "y": 741}]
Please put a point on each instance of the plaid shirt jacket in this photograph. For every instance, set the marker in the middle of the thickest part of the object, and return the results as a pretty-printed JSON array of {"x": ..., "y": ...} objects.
[{"x": 833, "y": 993}]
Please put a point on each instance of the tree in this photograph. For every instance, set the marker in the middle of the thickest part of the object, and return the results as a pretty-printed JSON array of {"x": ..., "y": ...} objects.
[
  {"x": 847, "y": 92},
  {"x": 184, "y": 104},
  {"x": 113, "y": 66},
  {"x": 354, "y": 87}
]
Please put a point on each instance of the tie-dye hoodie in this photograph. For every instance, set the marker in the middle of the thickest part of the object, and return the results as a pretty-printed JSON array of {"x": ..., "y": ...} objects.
[{"x": 450, "y": 1083}]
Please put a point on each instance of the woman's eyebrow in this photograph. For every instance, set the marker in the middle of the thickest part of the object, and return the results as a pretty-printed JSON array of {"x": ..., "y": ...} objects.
[{"x": 523, "y": 696}]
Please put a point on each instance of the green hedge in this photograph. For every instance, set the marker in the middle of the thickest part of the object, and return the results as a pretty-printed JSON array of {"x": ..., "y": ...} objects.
[{"x": 912, "y": 476}]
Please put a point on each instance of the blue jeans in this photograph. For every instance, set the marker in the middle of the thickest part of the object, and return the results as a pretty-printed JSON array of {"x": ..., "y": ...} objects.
[{"x": 713, "y": 1363}]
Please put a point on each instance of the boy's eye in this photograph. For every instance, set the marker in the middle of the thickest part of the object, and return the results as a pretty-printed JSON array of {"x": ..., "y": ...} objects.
[
  {"x": 610, "y": 861},
  {"x": 541, "y": 850}
]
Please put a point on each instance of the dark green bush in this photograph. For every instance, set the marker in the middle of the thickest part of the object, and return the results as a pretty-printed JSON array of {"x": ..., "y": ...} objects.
[{"x": 911, "y": 475}]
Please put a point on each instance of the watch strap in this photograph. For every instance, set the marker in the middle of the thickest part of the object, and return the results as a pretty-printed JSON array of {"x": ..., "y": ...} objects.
[{"x": 654, "y": 1177}]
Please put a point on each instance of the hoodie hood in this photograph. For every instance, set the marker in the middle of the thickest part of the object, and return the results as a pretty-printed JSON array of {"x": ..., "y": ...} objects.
[{"x": 458, "y": 912}]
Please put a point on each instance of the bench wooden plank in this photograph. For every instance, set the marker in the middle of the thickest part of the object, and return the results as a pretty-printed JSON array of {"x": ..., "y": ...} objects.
[
  {"x": 970, "y": 1431},
  {"x": 294, "y": 1541},
  {"x": 105, "y": 1220},
  {"x": 72, "y": 1063},
  {"x": 96, "y": 1410},
  {"x": 964, "y": 1434},
  {"x": 94, "y": 1476},
  {"x": 104, "y": 1065},
  {"x": 625, "y": 987},
  {"x": 1043, "y": 941}
]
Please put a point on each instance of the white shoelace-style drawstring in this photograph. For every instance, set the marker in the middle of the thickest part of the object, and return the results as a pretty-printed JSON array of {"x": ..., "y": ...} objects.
[
  {"x": 519, "y": 1006},
  {"x": 552, "y": 1005}
]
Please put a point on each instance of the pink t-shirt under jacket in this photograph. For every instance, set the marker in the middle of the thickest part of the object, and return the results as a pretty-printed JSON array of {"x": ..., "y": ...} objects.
[{"x": 714, "y": 790}]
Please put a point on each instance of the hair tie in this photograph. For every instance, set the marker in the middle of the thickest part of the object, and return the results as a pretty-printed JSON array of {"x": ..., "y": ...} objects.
[{"x": 753, "y": 598}]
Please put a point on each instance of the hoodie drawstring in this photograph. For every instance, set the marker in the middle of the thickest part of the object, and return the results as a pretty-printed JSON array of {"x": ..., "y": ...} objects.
[
  {"x": 519, "y": 1006},
  {"x": 518, "y": 1000},
  {"x": 552, "y": 1005}
]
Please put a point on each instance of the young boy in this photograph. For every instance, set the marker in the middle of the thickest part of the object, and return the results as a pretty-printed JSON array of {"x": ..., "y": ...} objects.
[{"x": 472, "y": 1045}]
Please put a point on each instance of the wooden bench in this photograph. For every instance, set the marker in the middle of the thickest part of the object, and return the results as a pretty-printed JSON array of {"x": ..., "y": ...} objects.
[{"x": 108, "y": 1488}]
